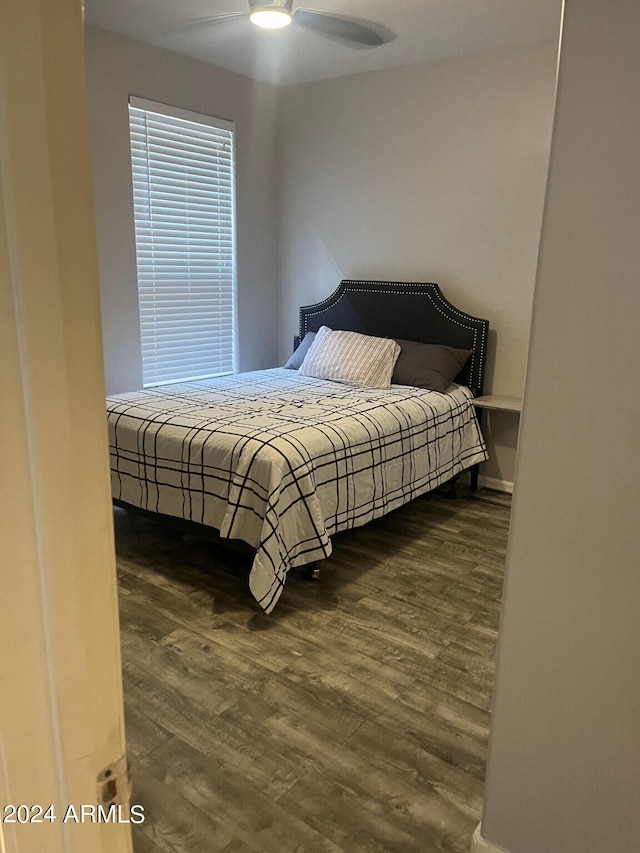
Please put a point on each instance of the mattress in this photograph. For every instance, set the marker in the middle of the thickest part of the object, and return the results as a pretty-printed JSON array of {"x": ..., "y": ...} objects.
[{"x": 282, "y": 461}]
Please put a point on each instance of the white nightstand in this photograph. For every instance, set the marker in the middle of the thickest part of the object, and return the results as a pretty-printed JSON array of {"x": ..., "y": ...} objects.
[
  {"x": 492, "y": 402},
  {"x": 495, "y": 401}
]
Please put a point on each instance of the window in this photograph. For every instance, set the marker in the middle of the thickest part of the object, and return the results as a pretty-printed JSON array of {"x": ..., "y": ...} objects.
[{"x": 184, "y": 207}]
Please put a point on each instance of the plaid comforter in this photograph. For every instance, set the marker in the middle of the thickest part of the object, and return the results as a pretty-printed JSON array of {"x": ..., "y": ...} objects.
[{"x": 282, "y": 461}]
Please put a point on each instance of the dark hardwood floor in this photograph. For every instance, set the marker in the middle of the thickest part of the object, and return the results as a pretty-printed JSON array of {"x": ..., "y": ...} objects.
[{"x": 354, "y": 718}]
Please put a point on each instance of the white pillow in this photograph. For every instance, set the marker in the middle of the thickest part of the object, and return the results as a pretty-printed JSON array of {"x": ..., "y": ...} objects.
[{"x": 351, "y": 357}]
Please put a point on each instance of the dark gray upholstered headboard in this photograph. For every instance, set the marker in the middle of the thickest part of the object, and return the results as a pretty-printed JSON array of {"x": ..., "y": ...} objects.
[{"x": 415, "y": 311}]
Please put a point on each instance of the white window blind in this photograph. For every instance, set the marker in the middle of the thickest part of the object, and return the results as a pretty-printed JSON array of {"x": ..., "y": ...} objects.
[{"x": 184, "y": 206}]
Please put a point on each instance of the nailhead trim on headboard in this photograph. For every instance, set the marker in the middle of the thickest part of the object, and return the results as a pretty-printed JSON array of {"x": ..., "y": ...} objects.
[{"x": 476, "y": 326}]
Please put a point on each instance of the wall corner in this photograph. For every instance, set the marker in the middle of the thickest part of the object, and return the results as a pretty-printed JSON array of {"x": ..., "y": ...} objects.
[{"x": 481, "y": 845}]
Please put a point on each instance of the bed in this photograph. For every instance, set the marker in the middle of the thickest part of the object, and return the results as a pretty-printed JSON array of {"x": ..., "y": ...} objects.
[{"x": 281, "y": 460}]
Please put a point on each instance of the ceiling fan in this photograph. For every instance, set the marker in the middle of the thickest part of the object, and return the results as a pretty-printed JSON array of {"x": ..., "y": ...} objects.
[{"x": 275, "y": 14}]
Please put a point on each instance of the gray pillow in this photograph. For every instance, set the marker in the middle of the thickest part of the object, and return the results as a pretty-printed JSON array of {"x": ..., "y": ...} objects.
[
  {"x": 432, "y": 366},
  {"x": 298, "y": 356}
]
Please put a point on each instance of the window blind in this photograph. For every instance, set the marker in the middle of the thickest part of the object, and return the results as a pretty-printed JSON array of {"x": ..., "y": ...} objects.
[{"x": 184, "y": 208}]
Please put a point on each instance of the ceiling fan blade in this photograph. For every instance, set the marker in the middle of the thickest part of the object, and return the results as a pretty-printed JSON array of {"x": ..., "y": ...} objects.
[
  {"x": 208, "y": 21},
  {"x": 350, "y": 31},
  {"x": 285, "y": 5}
]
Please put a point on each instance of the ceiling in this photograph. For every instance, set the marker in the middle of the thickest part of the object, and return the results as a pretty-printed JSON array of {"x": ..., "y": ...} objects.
[{"x": 425, "y": 30}]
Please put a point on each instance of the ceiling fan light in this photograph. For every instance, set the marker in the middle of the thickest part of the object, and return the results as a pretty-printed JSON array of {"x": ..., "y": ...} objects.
[{"x": 271, "y": 19}]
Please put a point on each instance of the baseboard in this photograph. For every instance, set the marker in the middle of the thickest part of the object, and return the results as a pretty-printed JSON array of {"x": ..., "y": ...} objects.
[
  {"x": 493, "y": 483},
  {"x": 481, "y": 845}
]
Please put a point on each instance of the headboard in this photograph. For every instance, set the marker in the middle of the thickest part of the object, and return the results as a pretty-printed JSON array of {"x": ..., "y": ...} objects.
[{"x": 415, "y": 311}]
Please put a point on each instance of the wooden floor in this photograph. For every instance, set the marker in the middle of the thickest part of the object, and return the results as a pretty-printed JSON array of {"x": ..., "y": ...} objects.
[{"x": 354, "y": 718}]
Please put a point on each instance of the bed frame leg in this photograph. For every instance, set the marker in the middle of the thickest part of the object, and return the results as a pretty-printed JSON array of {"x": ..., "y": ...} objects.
[
  {"x": 449, "y": 489},
  {"x": 310, "y": 572}
]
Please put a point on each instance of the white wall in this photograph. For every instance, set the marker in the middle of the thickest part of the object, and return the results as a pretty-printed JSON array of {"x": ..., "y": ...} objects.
[
  {"x": 118, "y": 67},
  {"x": 431, "y": 172},
  {"x": 564, "y": 757}
]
